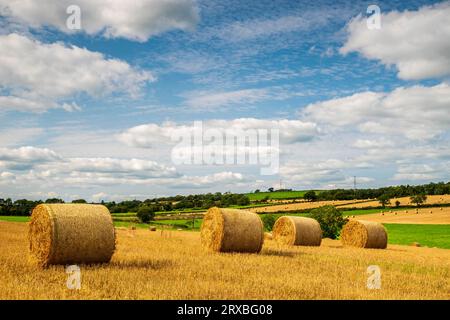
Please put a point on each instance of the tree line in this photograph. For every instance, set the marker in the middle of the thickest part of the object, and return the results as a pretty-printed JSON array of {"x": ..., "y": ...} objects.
[
  {"x": 387, "y": 192},
  {"x": 24, "y": 207}
]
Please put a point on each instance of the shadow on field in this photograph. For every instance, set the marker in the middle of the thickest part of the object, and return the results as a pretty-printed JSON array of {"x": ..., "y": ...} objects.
[
  {"x": 279, "y": 253},
  {"x": 146, "y": 264}
]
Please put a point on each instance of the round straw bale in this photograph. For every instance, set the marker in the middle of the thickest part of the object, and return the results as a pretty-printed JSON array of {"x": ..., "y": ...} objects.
[
  {"x": 364, "y": 234},
  {"x": 297, "y": 231},
  {"x": 71, "y": 233},
  {"x": 232, "y": 230}
]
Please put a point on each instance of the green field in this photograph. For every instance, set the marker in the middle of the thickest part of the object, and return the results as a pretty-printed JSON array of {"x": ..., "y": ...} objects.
[
  {"x": 279, "y": 195},
  {"x": 15, "y": 218},
  {"x": 429, "y": 235}
]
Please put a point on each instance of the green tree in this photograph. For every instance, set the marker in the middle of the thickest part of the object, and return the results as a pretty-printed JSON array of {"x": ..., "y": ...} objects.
[
  {"x": 146, "y": 214},
  {"x": 419, "y": 199},
  {"x": 330, "y": 219},
  {"x": 310, "y": 195},
  {"x": 54, "y": 200},
  {"x": 257, "y": 191},
  {"x": 268, "y": 221},
  {"x": 397, "y": 203},
  {"x": 271, "y": 189},
  {"x": 384, "y": 200},
  {"x": 79, "y": 201}
]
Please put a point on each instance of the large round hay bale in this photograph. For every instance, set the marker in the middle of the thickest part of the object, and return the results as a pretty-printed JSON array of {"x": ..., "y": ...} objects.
[
  {"x": 364, "y": 234},
  {"x": 297, "y": 231},
  {"x": 232, "y": 230},
  {"x": 71, "y": 234}
]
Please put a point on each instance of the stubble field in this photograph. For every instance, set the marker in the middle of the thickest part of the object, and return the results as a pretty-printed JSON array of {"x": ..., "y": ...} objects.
[{"x": 172, "y": 265}]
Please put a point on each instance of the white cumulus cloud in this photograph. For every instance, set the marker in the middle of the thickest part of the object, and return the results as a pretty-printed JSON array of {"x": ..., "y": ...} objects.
[
  {"x": 36, "y": 76},
  {"x": 417, "y": 112},
  {"x": 136, "y": 20},
  {"x": 416, "y": 42}
]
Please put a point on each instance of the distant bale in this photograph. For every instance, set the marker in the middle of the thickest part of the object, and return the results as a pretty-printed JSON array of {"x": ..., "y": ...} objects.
[
  {"x": 232, "y": 230},
  {"x": 364, "y": 234},
  {"x": 71, "y": 233},
  {"x": 415, "y": 244},
  {"x": 297, "y": 231},
  {"x": 268, "y": 236},
  {"x": 152, "y": 228}
]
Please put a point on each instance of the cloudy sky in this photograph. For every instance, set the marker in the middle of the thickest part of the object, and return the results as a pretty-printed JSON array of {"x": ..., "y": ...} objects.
[{"x": 90, "y": 113}]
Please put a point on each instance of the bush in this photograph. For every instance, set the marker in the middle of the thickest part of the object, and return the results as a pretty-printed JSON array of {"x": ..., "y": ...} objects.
[
  {"x": 418, "y": 199},
  {"x": 330, "y": 219},
  {"x": 384, "y": 200},
  {"x": 79, "y": 201},
  {"x": 146, "y": 214},
  {"x": 268, "y": 221},
  {"x": 310, "y": 195}
]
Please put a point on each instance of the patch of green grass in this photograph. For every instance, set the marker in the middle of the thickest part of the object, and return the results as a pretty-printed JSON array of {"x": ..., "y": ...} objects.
[
  {"x": 429, "y": 235},
  {"x": 279, "y": 195},
  {"x": 15, "y": 218},
  {"x": 124, "y": 214},
  {"x": 180, "y": 223}
]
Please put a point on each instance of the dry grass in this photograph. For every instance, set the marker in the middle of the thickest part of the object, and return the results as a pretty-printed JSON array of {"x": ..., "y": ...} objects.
[
  {"x": 149, "y": 266},
  {"x": 423, "y": 216}
]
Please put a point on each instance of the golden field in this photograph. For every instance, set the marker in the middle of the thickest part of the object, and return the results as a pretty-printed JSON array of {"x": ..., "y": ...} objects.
[
  {"x": 304, "y": 205},
  {"x": 404, "y": 201},
  {"x": 347, "y": 204},
  {"x": 151, "y": 265},
  {"x": 412, "y": 216}
]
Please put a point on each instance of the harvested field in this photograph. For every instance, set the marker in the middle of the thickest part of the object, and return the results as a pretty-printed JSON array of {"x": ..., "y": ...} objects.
[
  {"x": 147, "y": 265},
  {"x": 404, "y": 201},
  {"x": 424, "y": 216},
  {"x": 303, "y": 206}
]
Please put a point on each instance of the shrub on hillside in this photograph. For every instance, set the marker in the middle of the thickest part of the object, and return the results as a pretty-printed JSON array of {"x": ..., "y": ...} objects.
[
  {"x": 310, "y": 195},
  {"x": 146, "y": 214},
  {"x": 268, "y": 221},
  {"x": 330, "y": 219}
]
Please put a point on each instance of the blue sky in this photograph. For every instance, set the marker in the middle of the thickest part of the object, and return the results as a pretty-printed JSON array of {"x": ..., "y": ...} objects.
[{"x": 88, "y": 113}]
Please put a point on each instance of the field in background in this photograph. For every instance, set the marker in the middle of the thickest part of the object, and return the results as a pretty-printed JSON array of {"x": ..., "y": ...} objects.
[
  {"x": 304, "y": 205},
  {"x": 411, "y": 216},
  {"x": 276, "y": 195},
  {"x": 172, "y": 265},
  {"x": 404, "y": 201}
]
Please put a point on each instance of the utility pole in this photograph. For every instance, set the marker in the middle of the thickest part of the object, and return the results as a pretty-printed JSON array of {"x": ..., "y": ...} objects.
[{"x": 354, "y": 182}]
